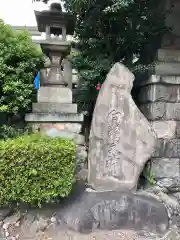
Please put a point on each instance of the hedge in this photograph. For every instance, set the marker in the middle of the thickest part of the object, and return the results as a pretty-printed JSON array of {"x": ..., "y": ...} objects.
[{"x": 35, "y": 169}]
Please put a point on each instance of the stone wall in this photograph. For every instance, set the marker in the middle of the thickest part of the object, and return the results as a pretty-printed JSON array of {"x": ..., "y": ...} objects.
[{"x": 159, "y": 99}]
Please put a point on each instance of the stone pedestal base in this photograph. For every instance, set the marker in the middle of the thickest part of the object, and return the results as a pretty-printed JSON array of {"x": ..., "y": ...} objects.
[
  {"x": 54, "y": 108},
  {"x": 56, "y": 116},
  {"x": 115, "y": 210},
  {"x": 64, "y": 125},
  {"x": 54, "y": 95}
]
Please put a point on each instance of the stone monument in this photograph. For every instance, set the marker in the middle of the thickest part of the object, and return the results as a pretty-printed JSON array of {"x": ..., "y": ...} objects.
[
  {"x": 54, "y": 113},
  {"x": 121, "y": 139},
  {"x": 121, "y": 142}
]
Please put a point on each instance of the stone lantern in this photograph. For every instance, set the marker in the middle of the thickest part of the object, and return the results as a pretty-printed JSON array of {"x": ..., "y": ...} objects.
[
  {"x": 60, "y": 24},
  {"x": 54, "y": 113}
]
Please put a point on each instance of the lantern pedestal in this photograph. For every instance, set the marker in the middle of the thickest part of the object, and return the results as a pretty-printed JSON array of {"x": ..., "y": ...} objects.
[{"x": 54, "y": 95}]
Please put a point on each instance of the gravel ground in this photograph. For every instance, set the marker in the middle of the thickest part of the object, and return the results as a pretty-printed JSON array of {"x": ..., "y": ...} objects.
[{"x": 101, "y": 235}]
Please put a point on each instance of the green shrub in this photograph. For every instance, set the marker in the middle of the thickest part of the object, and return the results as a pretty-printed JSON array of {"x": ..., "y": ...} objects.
[
  {"x": 35, "y": 169},
  {"x": 13, "y": 131}
]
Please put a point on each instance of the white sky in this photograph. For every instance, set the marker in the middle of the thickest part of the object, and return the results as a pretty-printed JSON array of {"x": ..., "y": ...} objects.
[{"x": 19, "y": 12}]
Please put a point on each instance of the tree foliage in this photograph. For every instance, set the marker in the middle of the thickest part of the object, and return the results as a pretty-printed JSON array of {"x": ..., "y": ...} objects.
[
  {"x": 19, "y": 59},
  {"x": 108, "y": 31}
]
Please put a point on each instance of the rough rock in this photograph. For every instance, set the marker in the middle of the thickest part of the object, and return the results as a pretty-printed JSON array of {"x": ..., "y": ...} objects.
[
  {"x": 175, "y": 219},
  {"x": 81, "y": 157},
  {"x": 29, "y": 230},
  {"x": 13, "y": 219},
  {"x": 165, "y": 168},
  {"x": 81, "y": 153},
  {"x": 176, "y": 195},
  {"x": 115, "y": 210},
  {"x": 82, "y": 175},
  {"x": 4, "y": 212},
  {"x": 172, "y": 184},
  {"x": 171, "y": 235},
  {"x": 121, "y": 139},
  {"x": 170, "y": 201}
]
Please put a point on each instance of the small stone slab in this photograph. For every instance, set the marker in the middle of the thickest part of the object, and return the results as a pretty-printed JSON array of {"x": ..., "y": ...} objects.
[
  {"x": 159, "y": 79},
  {"x": 54, "y": 95},
  {"x": 54, "y": 108},
  {"x": 168, "y": 55},
  {"x": 166, "y": 129},
  {"x": 165, "y": 168},
  {"x": 54, "y": 117},
  {"x": 161, "y": 111},
  {"x": 167, "y": 68},
  {"x": 167, "y": 148},
  {"x": 159, "y": 92},
  {"x": 115, "y": 210}
]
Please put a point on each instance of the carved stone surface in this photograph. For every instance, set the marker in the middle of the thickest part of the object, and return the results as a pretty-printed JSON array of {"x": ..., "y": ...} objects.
[
  {"x": 159, "y": 92},
  {"x": 121, "y": 139},
  {"x": 115, "y": 210}
]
